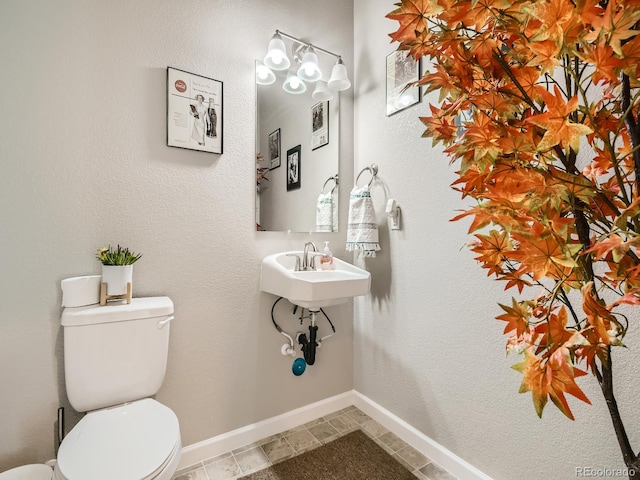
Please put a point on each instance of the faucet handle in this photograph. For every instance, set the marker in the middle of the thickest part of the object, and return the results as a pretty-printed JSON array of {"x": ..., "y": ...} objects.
[
  {"x": 312, "y": 260},
  {"x": 297, "y": 267}
]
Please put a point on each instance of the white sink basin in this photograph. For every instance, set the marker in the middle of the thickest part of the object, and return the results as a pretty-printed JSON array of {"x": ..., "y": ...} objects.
[{"x": 312, "y": 288}]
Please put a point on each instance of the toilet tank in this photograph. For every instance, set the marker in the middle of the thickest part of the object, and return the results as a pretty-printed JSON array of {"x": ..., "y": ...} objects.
[{"x": 115, "y": 353}]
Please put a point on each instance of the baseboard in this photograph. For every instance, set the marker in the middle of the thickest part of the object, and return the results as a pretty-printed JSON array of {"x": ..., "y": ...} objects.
[
  {"x": 418, "y": 440},
  {"x": 226, "y": 442}
]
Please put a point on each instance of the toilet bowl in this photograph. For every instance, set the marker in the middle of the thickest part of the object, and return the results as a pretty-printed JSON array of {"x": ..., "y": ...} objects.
[
  {"x": 28, "y": 472},
  {"x": 136, "y": 441}
]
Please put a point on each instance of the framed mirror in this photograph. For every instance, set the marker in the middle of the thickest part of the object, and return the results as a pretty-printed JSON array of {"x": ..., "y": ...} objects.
[{"x": 297, "y": 139}]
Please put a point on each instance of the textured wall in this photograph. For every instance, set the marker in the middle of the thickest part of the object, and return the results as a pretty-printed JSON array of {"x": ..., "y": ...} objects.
[
  {"x": 426, "y": 345},
  {"x": 85, "y": 164}
]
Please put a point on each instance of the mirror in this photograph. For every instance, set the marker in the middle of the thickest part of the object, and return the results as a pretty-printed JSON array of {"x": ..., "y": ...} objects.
[{"x": 297, "y": 139}]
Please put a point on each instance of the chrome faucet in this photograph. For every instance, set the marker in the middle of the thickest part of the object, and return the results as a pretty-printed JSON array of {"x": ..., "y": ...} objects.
[{"x": 309, "y": 263}]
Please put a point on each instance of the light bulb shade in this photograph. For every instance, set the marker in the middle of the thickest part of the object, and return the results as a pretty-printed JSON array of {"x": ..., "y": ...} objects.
[
  {"x": 276, "y": 58},
  {"x": 309, "y": 70},
  {"x": 264, "y": 75},
  {"x": 321, "y": 92},
  {"x": 293, "y": 84},
  {"x": 339, "y": 80}
]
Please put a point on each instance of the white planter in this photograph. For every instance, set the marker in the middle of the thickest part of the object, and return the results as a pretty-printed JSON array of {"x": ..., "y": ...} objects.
[{"x": 116, "y": 277}]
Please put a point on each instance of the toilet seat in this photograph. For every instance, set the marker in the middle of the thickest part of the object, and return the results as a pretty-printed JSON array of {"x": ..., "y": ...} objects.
[
  {"x": 28, "y": 472},
  {"x": 134, "y": 441}
]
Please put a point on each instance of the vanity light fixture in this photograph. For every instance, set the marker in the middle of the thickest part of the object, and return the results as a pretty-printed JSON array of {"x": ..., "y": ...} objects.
[
  {"x": 322, "y": 92},
  {"x": 276, "y": 58},
  {"x": 339, "y": 79},
  {"x": 293, "y": 84},
  {"x": 308, "y": 70},
  {"x": 264, "y": 75}
]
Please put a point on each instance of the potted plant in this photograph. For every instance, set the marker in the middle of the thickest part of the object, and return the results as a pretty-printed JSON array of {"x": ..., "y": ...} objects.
[
  {"x": 117, "y": 269},
  {"x": 539, "y": 105}
]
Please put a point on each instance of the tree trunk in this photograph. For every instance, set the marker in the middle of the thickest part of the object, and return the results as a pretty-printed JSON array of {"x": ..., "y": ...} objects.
[{"x": 631, "y": 460}]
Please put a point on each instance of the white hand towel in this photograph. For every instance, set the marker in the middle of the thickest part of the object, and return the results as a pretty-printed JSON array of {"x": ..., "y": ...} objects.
[
  {"x": 326, "y": 213},
  {"x": 362, "y": 230}
]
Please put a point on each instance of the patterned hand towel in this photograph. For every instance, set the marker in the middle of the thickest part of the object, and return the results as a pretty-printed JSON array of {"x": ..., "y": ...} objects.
[
  {"x": 362, "y": 230},
  {"x": 326, "y": 213}
]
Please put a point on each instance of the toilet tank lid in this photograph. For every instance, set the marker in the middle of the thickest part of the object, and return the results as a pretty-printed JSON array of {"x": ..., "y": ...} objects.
[{"x": 144, "y": 307}]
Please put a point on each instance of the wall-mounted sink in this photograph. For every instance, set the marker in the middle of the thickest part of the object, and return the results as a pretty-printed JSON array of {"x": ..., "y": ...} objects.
[{"x": 312, "y": 288}]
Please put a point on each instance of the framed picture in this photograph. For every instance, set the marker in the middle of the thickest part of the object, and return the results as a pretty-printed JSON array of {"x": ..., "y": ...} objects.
[
  {"x": 293, "y": 168},
  {"x": 319, "y": 125},
  {"x": 274, "y": 149},
  {"x": 194, "y": 111},
  {"x": 402, "y": 69}
]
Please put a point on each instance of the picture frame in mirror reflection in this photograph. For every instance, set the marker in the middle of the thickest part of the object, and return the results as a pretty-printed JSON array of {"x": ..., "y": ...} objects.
[
  {"x": 293, "y": 168},
  {"x": 274, "y": 149},
  {"x": 319, "y": 125},
  {"x": 194, "y": 111}
]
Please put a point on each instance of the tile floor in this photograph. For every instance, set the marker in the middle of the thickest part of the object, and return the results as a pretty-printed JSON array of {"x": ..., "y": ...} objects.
[{"x": 256, "y": 456}]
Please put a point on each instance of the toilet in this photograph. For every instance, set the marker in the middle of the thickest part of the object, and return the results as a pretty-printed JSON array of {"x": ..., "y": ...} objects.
[
  {"x": 28, "y": 472},
  {"x": 115, "y": 358}
]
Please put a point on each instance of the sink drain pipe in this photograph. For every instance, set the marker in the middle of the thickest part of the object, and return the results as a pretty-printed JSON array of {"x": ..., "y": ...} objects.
[{"x": 307, "y": 345}]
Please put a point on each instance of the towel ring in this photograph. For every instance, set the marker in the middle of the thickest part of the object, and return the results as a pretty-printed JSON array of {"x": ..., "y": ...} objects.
[
  {"x": 372, "y": 169},
  {"x": 335, "y": 180}
]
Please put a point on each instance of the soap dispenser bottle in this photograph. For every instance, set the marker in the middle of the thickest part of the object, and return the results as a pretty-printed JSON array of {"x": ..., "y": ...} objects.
[{"x": 326, "y": 260}]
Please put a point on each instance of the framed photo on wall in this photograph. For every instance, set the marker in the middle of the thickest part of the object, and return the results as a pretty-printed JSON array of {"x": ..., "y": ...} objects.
[
  {"x": 274, "y": 149},
  {"x": 293, "y": 168},
  {"x": 194, "y": 111},
  {"x": 402, "y": 69},
  {"x": 319, "y": 125}
]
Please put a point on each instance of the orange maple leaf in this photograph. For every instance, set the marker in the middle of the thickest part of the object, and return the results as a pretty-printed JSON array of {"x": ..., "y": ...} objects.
[
  {"x": 597, "y": 314},
  {"x": 577, "y": 185},
  {"x": 494, "y": 103},
  {"x": 517, "y": 316},
  {"x": 631, "y": 57},
  {"x": 550, "y": 379},
  {"x": 533, "y": 380},
  {"x": 545, "y": 55},
  {"x": 614, "y": 244},
  {"x": 527, "y": 78},
  {"x": 600, "y": 164},
  {"x": 483, "y": 137},
  {"x": 491, "y": 250},
  {"x": 591, "y": 350},
  {"x": 473, "y": 181},
  {"x": 515, "y": 280},
  {"x": 607, "y": 65},
  {"x": 554, "y": 331},
  {"x": 482, "y": 46},
  {"x": 557, "y": 18},
  {"x": 561, "y": 376},
  {"x": 543, "y": 254},
  {"x": 441, "y": 80},
  {"x": 559, "y": 130},
  {"x": 441, "y": 127},
  {"x": 412, "y": 15},
  {"x": 518, "y": 144},
  {"x": 615, "y": 26},
  {"x": 421, "y": 45}
]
